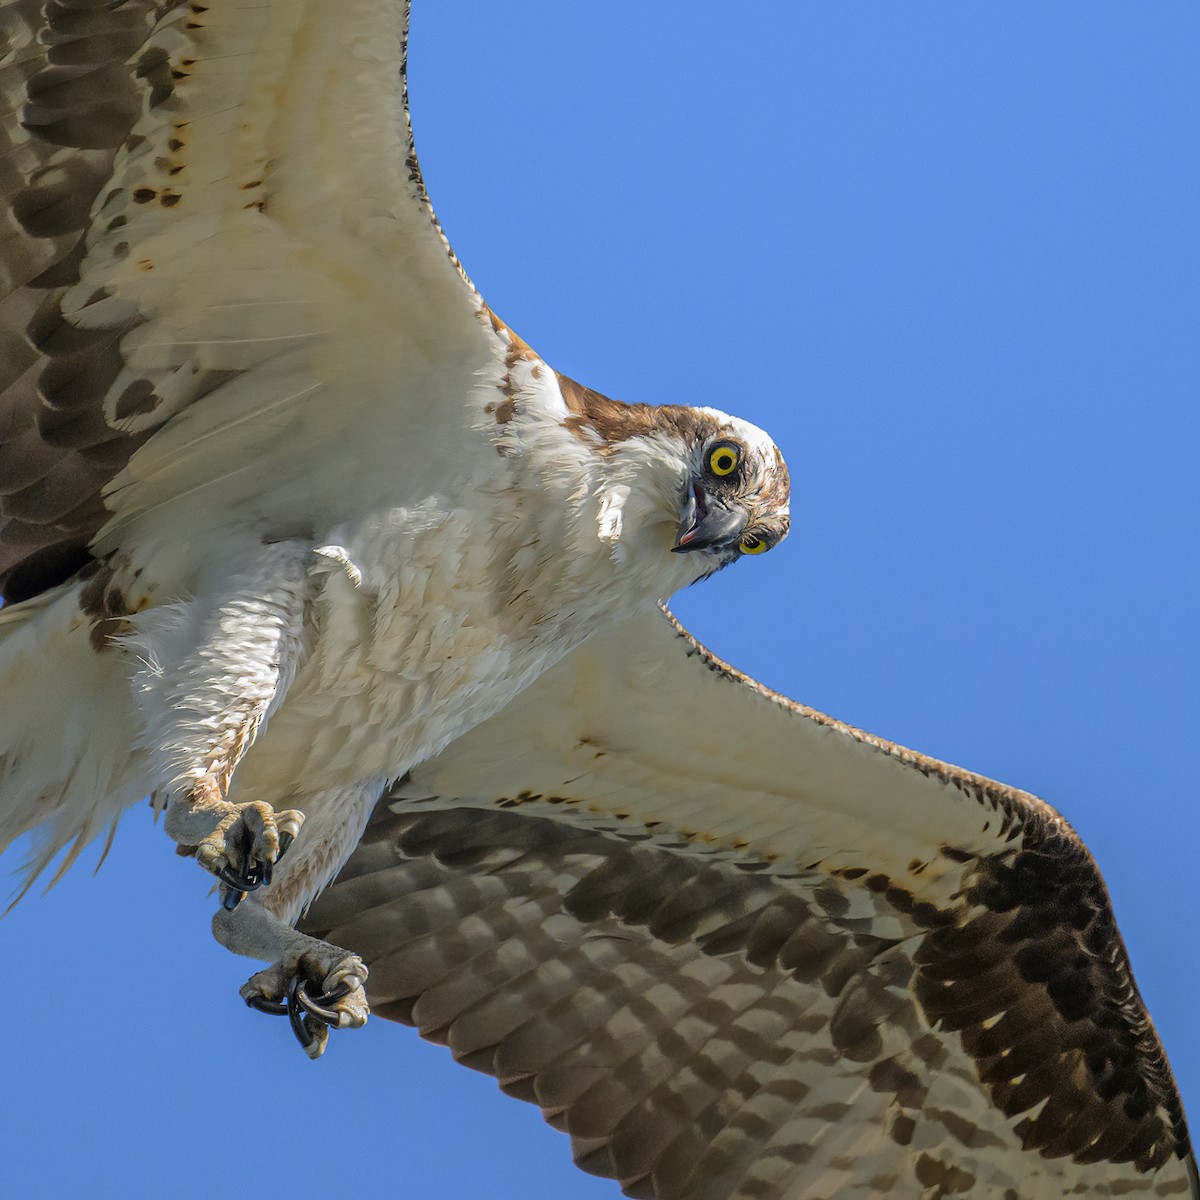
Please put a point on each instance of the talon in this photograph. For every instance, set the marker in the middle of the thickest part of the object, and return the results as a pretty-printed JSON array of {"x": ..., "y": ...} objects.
[
  {"x": 298, "y": 979},
  {"x": 264, "y": 1004},
  {"x": 307, "y": 1028},
  {"x": 231, "y": 898},
  {"x": 245, "y": 844},
  {"x": 318, "y": 1006},
  {"x": 251, "y": 881},
  {"x": 288, "y": 832}
]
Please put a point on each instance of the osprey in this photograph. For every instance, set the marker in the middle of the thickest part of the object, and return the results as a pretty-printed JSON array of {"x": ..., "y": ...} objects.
[
  {"x": 397, "y": 515},
  {"x": 399, "y": 520}
]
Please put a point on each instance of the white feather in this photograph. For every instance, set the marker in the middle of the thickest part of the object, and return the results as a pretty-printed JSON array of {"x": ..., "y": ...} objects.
[{"x": 67, "y": 727}]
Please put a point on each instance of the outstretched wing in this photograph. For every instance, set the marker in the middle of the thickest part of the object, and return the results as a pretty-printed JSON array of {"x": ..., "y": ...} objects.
[
  {"x": 219, "y": 272},
  {"x": 737, "y": 949}
]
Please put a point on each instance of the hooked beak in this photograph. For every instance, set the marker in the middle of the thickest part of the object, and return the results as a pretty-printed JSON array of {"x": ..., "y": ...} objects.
[{"x": 705, "y": 523}]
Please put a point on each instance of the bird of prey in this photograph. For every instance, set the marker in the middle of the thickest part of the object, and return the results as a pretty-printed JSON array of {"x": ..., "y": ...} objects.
[
  {"x": 700, "y": 958},
  {"x": 287, "y": 507}
]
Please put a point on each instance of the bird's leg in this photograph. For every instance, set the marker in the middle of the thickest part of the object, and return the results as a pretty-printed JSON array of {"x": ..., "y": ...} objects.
[
  {"x": 318, "y": 986},
  {"x": 314, "y": 984},
  {"x": 213, "y": 672}
]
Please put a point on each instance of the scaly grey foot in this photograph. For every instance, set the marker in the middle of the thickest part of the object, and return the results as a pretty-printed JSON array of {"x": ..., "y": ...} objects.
[
  {"x": 316, "y": 992},
  {"x": 238, "y": 843}
]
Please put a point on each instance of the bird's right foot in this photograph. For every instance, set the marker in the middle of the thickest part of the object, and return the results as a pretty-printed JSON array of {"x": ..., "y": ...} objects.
[{"x": 316, "y": 991}]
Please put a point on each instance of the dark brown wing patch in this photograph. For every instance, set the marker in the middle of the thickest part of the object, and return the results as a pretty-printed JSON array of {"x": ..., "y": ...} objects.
[
  {"x": 676, "y": 1015},
  {"x": 1035, "y": 980},
  {"x": 73, "y": 86}
]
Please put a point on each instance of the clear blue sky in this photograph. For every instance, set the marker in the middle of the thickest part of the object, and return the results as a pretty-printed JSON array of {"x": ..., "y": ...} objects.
[{"x": 949, "y": 254}]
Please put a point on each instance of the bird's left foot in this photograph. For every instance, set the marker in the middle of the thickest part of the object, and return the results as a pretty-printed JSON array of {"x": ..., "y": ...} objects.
[
  {"x": 316, "y": 991},
  {"x": 238, "y": 843}
]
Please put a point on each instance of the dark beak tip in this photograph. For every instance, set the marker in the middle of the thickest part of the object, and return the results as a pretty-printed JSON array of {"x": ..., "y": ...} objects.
[{"x": 718, "y": 527}]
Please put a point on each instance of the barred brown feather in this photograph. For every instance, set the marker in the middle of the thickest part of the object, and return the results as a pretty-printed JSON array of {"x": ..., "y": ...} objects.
[{"x": 702, "y": 968}]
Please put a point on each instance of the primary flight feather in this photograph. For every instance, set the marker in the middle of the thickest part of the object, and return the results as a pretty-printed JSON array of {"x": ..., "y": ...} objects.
[{"x": 290, "y": 514}]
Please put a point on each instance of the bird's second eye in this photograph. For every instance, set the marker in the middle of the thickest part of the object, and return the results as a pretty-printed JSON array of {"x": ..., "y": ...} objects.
[
  {"x": 723, "y": 458},
  {"x": 751, "y": 544}
]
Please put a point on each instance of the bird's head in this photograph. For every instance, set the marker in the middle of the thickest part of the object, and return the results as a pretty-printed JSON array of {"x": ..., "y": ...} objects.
[
  {"x": 691, "y": 489},
  {"x": 733, "y": 499}
]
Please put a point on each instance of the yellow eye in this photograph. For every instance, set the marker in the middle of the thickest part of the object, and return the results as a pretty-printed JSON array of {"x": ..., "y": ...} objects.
[
  {"x": 723, "y": 459},
  {"x": 751, "y": 545}
]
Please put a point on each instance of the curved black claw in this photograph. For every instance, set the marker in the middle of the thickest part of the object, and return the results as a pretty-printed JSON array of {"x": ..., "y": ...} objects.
[
  {"x": 255, "y": 877},
  {"x": 306, "y": 1026},
  {"x": 318, "y": 1006},
  {"x": 264, "y": 1004},
  {"x": 257, "y": 874},
  {"x": 309, "y": 1015}
]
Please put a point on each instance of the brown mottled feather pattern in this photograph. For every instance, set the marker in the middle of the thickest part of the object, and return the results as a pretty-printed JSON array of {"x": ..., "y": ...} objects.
[
  {"x": 808, "y": 963},
  {"x": 712, "y": 1013},
  {"x": 613, "y": 421},
  {"x": 671, "y": 1042},
  {"x": 77, "y": 77},
  {"x": 607, "y": 420},
  {"x": 72, "y": 94}
]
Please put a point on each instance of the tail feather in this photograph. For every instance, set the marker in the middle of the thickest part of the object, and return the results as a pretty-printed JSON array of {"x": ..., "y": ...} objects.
[{"x": 68, "y": 763}]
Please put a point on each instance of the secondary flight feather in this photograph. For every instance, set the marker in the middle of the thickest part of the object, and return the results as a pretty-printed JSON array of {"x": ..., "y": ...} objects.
[{"x": 290, "y": 514}]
